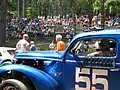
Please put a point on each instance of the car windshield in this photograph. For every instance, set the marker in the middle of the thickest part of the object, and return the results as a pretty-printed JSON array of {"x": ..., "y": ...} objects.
[
  {"x": 6, "y": 54},
  {"x": 11, "y": 52}
]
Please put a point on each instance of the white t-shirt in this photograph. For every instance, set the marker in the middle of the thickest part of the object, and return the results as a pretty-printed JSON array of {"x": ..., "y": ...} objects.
[
  {"x": 22, "y": 46},
  {"x": 52, "y": 46}
]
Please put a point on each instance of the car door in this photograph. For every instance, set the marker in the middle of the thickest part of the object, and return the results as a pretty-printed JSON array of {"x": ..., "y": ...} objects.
[{"x": 93, "y": 72}]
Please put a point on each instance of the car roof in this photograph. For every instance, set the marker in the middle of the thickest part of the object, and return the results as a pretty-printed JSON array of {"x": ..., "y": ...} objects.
[{"x": 102, "y": 32}]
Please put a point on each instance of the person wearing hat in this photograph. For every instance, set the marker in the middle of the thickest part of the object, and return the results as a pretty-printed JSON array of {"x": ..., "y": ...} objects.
[
  {"x": 23, "y": 45},
  {"x": 60, "y": 44},
  {"x": 32, "y": 46}
]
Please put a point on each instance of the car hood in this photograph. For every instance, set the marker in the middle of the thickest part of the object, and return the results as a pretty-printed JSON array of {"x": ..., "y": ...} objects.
[{"x": 44, "y": 55}]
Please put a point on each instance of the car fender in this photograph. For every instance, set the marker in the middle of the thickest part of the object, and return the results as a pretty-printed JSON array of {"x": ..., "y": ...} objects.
[{"x": 40, "y": 79}]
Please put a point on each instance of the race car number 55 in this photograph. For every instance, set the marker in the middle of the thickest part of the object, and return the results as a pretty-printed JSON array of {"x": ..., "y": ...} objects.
[{"x": 91, "y": 79}]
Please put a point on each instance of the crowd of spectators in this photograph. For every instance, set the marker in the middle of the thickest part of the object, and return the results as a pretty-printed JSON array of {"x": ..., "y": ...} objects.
[
  {"x": 46, "y": 26},
  {"x": 42, "y": 27}
]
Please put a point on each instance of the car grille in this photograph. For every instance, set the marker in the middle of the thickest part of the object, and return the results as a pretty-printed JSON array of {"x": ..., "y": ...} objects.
[{"x": 99, "y": 62}]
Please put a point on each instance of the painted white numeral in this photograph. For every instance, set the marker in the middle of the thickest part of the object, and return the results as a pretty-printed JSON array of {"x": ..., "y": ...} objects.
[
  {"x": 91, "y": 82},
  {"x": 103, "y": 81},
  {"x": 84, "y": 79}
]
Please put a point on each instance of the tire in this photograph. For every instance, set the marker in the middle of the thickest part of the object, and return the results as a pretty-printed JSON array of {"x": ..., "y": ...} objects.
[{"x": 12, "y": 84}]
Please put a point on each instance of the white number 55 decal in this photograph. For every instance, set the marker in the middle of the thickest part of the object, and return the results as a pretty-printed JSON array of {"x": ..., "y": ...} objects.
[{"x": 91, "y": 79}]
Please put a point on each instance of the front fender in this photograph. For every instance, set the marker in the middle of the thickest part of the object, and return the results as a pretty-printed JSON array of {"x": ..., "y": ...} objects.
[{"x": 40, "y": 79}]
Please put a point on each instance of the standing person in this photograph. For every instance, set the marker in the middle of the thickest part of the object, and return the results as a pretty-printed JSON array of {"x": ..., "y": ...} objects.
[
  {"x": 52, "y": 45},
  {"x": 32, "y": 46},
  {"x": 68, "y": 42},
  {"x": 60, "y": 44},
  {"x": 23, "y": 45}
]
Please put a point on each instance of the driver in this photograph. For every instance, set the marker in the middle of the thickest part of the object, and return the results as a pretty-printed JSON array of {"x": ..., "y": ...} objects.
[{"x": 104, "y": 49}]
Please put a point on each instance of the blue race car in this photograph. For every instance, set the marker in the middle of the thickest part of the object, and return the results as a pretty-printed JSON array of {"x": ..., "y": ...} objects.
[{"x": 90, "y": 62}]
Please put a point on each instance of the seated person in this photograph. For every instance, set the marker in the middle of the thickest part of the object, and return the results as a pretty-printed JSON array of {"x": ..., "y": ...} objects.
[{"x": 104, "y": 50}]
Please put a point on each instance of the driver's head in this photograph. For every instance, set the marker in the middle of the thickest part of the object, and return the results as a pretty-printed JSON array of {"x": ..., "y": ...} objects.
[{"x": 104, "y": 45}]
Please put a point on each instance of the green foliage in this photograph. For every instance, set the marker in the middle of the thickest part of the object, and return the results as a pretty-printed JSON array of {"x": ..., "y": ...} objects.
[
  {"x": 43, "y": 47},
  {"x": 29, "y": 11},
  {"x": 64, "y": 7},
  {"x": 11, "y": 6},
  {"x": 113, "y": 6},
  {"x": 96, "y": 5}
]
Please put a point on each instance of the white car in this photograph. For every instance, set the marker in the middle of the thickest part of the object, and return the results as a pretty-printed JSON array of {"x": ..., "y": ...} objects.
[{"x": 7, "y": 54}]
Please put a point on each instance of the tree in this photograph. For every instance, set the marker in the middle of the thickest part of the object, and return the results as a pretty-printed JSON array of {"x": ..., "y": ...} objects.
[
  {"x": 3, "y": 11},
  {"x": 113, "y": 6}
]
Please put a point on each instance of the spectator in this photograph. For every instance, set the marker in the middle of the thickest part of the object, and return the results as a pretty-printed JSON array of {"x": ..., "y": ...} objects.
[
  {"x": 32, "y": 46},
  {"x": 68, "y": 42},
  {"x": 60, "y": 44},
  {"x": 23, "y": 44},
  {"x": 52, "y": 45}
]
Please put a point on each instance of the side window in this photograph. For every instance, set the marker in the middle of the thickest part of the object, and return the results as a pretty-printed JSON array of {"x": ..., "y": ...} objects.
[
  {"x": 80, "y": 48},
  {"x": 95, "y": 48}
]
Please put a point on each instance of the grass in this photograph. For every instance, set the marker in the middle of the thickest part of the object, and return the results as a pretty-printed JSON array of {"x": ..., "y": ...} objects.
[{"x": 42, "y": 47}]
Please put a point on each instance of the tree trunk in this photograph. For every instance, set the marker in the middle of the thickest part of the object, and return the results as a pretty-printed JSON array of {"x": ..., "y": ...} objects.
[
  {"x": 90, "y": 11},
  {"x": 102, "y": 14},
  {"x": 3, "y": 10},
  {"x": 24, "y": 8},
  {"x": 20, "y": 9}
]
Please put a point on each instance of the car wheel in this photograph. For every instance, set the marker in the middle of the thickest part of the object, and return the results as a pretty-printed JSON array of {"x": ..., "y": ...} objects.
[{"x": 12, "y": 84}]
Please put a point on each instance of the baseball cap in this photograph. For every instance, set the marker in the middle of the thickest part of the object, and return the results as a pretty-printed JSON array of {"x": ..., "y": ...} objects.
[{"x": 25, "y": 35}]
